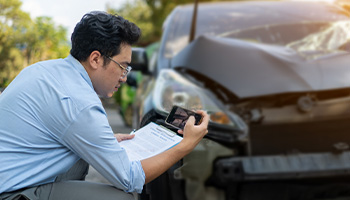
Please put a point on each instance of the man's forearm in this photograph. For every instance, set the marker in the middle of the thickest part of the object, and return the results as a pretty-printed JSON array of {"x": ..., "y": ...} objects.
[
  {"x": 192, "y": 135},
  {"x": 156, "y": 165}
]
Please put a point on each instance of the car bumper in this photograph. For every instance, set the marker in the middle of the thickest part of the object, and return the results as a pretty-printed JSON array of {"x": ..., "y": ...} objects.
[{"x": 281, "y": 167}]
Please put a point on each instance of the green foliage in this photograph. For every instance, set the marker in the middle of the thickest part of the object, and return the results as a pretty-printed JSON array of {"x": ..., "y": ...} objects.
[
  {"x": 137, "y": 12},
  {"x": 12, "y": 22},
  {"x": 24, "y": 41},
  {"x": 45, "y": 41}
]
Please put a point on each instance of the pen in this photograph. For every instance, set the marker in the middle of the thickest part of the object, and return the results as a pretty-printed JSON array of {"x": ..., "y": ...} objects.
[{"x": 133, "y": 132}]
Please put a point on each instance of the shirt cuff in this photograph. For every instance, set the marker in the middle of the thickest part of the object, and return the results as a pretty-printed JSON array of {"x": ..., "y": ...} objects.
[{"x": 138, "y": 181}]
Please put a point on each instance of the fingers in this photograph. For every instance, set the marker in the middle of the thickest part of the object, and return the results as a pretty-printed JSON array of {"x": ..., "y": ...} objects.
[
  {"x": 205, "y": 120},
  {"x": 121, "y": 137},
  {"x": 127, "y": 136},
  {"x": 192, "y": 133},
  {"x": 200, "y": 111},
  {"x": 191, "y": 120}
]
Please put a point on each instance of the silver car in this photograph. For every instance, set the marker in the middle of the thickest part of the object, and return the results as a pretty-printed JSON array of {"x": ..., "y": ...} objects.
[{"x": 275, "y": 78}]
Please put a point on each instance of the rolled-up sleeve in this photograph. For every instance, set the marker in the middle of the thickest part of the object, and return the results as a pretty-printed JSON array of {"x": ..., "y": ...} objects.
[{"x": 90, "y": 137}]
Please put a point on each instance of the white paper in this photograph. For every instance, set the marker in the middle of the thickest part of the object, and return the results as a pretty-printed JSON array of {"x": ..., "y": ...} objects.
[{"x": 149, "y": 141}]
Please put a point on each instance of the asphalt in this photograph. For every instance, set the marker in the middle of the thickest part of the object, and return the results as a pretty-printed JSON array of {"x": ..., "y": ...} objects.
[{"x": 117, "y": 124}]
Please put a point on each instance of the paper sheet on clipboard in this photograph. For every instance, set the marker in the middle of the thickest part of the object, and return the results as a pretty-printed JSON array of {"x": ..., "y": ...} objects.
[{"x": 149, "y": 141}]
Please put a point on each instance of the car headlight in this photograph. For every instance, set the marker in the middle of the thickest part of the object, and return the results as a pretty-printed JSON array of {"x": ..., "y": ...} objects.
[{"x": 173, "y": 89}]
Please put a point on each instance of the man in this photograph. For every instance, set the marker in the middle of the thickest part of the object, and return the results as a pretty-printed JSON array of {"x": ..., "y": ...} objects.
[{"x": 52, "y": 121}]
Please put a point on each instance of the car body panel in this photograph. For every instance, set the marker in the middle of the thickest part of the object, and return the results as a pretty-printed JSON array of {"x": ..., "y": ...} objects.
[
  {"x": 221, "y": 18},
  {"x": 250, "y": 69}
]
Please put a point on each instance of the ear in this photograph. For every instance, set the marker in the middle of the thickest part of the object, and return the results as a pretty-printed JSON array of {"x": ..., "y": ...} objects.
[{"x": 96, "y": 60}]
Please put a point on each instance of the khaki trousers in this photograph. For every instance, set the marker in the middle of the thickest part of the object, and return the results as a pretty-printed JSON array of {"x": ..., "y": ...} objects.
[{"x": 70, "y": 186}]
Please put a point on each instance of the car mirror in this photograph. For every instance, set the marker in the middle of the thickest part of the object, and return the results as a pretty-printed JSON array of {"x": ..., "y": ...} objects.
[
  {"x": 132, "y": 80},
  {"x": 139, "y": 61}
]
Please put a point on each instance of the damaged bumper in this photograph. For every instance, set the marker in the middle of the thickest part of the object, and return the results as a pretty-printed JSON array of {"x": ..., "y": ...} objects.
[{"x": 281, "y": 167}]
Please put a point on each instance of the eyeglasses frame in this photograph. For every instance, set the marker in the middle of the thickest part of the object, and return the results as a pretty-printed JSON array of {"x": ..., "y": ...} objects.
[{"x": 126, "y": 69}]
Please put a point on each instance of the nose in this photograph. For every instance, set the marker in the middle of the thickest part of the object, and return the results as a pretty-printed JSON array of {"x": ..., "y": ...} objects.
[{"x": 123, "y": 79}]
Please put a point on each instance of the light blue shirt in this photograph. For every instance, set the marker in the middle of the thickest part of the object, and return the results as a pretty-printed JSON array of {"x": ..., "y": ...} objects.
[{"x": 50, "y": 117}]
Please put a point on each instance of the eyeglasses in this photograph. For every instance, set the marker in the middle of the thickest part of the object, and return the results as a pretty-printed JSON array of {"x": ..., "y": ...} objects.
[{"x": 126, "y": 69}]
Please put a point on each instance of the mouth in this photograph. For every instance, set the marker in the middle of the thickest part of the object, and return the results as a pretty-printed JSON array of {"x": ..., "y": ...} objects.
[{"x": 116, "y": 88}]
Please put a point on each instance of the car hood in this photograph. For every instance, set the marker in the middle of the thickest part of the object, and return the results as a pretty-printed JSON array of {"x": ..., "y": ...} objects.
[{"x": 251, "y": 69}]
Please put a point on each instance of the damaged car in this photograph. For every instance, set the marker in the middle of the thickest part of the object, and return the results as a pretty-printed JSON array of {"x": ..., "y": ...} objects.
[{"x": 274, "y": 77}]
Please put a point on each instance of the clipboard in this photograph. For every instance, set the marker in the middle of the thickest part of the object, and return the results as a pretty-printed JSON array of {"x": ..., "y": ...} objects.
[{"x": 149, "y": 141}]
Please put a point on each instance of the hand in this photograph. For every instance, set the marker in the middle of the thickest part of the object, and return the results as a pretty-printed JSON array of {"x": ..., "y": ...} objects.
[
  {"x": 192, "y": 134},
  {"x": 120, "y": 136}
]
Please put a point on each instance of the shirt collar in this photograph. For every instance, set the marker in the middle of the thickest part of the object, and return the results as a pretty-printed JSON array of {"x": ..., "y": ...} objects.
[{"x": 80, "y": 68}]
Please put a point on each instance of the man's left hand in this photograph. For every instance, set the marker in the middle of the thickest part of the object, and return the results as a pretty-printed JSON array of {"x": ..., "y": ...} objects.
[{"x": 120, "y": 136}]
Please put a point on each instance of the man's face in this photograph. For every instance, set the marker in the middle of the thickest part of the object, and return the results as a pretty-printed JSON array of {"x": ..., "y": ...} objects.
[{"x": 110, "y": 76}]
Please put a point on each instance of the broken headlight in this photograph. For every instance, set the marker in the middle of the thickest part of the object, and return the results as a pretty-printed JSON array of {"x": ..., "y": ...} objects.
[{"x": 173, "y": 89}]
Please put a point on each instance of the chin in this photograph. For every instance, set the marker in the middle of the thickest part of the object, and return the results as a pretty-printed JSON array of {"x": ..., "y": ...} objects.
[
  {"x": 109, "y": 95},
  {"x": 105, "y": 95}
]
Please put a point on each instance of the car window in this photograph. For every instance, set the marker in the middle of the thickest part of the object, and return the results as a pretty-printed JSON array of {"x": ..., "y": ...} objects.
[{"x": 178, "y": 33}]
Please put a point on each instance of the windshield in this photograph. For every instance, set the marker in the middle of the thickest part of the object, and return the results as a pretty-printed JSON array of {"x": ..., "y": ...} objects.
[
  {"x": 303, "y": 37},
  {"x": 318, "y": 29},
  {"x": 335, "y": 37}
]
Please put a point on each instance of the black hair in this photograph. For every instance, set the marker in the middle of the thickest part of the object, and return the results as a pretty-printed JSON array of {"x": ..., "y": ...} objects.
[{"x": 102, "y": 32}]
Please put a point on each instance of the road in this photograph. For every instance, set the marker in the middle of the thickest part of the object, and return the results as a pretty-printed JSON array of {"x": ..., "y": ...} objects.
[{"x": 118, "y": 126}]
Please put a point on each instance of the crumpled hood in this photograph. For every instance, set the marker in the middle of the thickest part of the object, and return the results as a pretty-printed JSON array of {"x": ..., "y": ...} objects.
[{"x": 250, "y": 69}]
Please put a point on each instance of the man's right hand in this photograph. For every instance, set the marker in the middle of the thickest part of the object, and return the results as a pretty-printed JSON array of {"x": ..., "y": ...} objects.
[{"x": 192, "y": 135}]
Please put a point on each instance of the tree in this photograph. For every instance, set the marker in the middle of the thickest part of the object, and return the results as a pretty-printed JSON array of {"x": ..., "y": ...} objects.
[
  {"x": 43, "y": 40},
  {"x": 12, "y": 22},
  {"x": 24, "y": 41},
  {"x": 148, "y": 15},
  {"x": 139, "y": 13}
]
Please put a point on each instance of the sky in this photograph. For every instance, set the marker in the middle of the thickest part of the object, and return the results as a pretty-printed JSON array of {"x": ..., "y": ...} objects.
[{"x": 66, "y": 12}]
